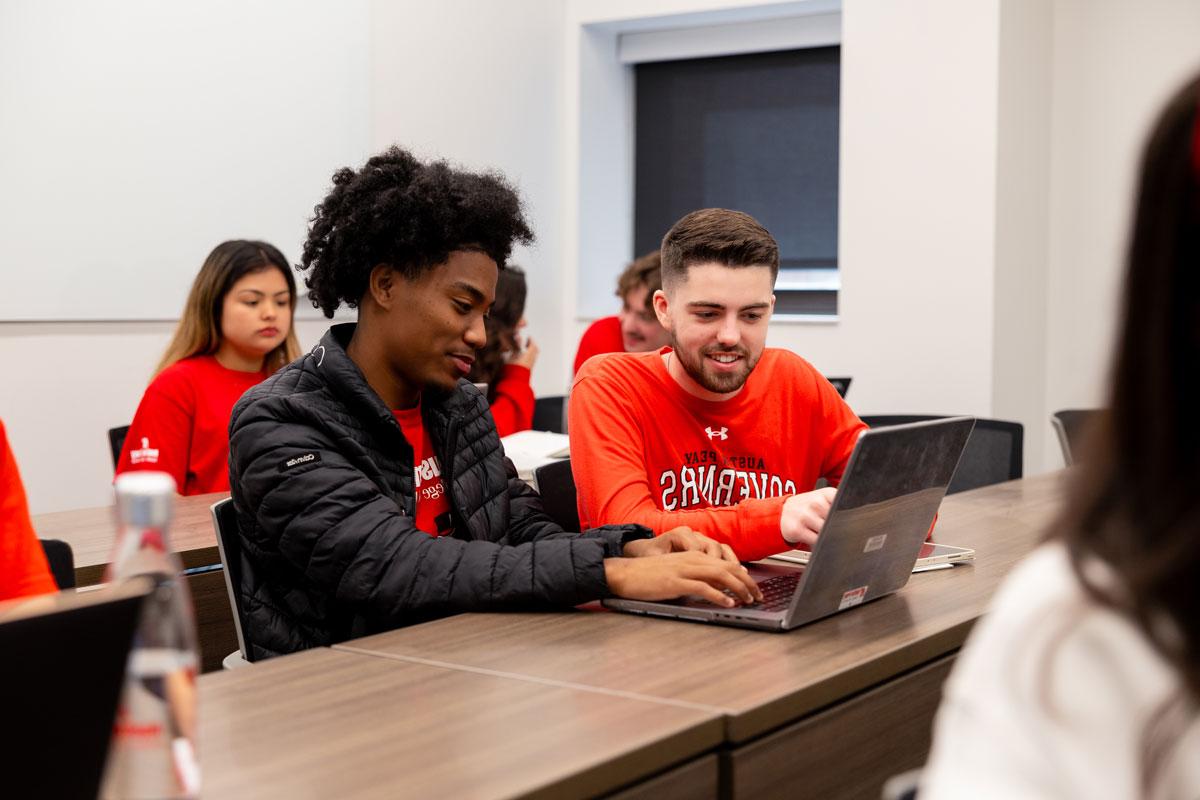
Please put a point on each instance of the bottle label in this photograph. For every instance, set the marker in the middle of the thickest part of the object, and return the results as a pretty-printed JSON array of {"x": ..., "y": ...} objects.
[{"x": 152, "y": 754}]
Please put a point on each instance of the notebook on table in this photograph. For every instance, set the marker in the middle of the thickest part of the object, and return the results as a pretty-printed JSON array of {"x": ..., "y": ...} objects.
[
  {"x": 933, "y": 555},
  {"x": 889, "y": 494}
]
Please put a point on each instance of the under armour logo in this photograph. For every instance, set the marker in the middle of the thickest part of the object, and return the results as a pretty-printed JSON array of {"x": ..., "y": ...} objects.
[{"x": 721, "y": 434}]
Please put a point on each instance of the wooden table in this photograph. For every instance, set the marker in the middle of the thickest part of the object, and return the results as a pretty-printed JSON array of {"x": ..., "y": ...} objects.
[
  {"x": 324, "y": 723},
  {"x": 823, "y": 711},
  {"x": 833, "y": 707},
  {"x": 92, "y": 533}
]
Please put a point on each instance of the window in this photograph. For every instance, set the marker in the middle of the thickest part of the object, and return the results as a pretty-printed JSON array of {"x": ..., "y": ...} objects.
[{"x": 758, "y": 133}]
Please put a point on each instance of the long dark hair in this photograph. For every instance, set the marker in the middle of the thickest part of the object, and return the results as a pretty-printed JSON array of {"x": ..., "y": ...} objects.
[
  {"x": 501, "y": 328},
  {"x": 1135, "y": 505},
  {"x": 199, "y": 329}
]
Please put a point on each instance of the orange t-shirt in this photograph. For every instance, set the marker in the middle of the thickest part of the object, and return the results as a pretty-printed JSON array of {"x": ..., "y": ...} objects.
[
  {"x": 644, "y": 450},
  {"x": 433, "y": 506},
  {"x": 23, "y": 567}
]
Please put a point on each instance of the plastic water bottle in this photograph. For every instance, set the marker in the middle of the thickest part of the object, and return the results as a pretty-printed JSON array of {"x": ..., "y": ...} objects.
[{"x": 153, "y": 753}]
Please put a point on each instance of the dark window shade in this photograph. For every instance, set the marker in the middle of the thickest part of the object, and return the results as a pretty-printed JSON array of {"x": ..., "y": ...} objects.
[{"x": 758, "y": 133}]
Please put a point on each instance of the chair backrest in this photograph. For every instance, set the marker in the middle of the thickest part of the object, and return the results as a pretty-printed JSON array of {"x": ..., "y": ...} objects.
[
  {"x": 62, "y": 562},
  {"x": 548, "y": 414},
  {"x": 841, "y": 384},
  {"x": 230, "y": 546},
  {"x": 1071, "y": 424},
  {"x": 116, "y": 441},
  {"x": 994, "y": 453},
  {"x": 556, "y": 485}
]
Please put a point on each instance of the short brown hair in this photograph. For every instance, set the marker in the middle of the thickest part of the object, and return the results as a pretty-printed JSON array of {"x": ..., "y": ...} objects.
[
  {"x": 644, "y": 271},
  {"x": 729, "y": 238}
]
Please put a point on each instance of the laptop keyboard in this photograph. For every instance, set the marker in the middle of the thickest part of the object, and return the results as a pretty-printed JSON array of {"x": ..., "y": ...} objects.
[{"x": 777, "y": 592}]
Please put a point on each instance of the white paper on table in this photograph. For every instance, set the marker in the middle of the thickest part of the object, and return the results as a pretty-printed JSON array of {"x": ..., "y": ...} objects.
[{"x": 529, "y": 450}]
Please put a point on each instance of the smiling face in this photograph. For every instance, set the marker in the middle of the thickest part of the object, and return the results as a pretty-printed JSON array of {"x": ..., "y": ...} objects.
[
  {"x": 716, "y": 319},
  {"x": 640, "y": 330},
  {"x": 426, "y": 330},
  {"x": 256, "y": 315}
]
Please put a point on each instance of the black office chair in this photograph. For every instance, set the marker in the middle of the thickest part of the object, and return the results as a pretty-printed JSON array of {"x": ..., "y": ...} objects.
[
  {"x": 230, "y": 547},
  {"x": 841, "y": 384},
  {"x": 548, "y": 414},
  {"x": 993, "y": 454},
  {"x": 62, "y": 562},
  {"x": 116, "y": 441},
  {"x": 556, "y": 484},
  {"x": 1071, "y": 425}
]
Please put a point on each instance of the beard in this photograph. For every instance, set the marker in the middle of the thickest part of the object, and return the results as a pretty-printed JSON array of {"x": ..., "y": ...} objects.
[{"x": 696, "y": 364}]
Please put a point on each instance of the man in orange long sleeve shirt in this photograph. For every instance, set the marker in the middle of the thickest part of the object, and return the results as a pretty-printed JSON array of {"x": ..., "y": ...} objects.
[{"x": 715, "y": 431}]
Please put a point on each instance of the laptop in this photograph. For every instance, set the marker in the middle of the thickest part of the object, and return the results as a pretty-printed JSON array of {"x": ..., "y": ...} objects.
[
  {"x": 889, "y": 495},
  {"x": 60, "y": 680}
]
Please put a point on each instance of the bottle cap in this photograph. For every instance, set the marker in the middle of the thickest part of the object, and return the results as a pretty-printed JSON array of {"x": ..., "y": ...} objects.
[{"x": 145, "y": 499}]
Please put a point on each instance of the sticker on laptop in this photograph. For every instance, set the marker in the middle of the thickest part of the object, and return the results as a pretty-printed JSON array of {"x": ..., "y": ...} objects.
[
  {"x": 875, "y": 543},
  {"x": 852, "y": 598}
]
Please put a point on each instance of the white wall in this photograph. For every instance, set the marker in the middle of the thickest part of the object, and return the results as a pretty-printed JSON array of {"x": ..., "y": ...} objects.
[
  {"x": 916, "y": 232},
  {"x": 481, "y": 84},
  {"x": 1114, "y": 63},
  {"x": 138, "y": 134},
  {"x": 1022, "y": 224}
]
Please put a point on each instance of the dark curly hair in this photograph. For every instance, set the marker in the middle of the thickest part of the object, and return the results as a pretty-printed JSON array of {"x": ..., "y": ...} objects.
[
  {"x": 410, "y": 215},
  {"x": 501, "y": 324}
]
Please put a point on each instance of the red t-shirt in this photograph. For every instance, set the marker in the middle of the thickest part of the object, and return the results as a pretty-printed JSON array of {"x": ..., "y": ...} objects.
[
  {"x": 644, "y": 450},
  {"x": 602, "y": 336},
  {"x": 23, "y": 567},
  {"x": 512, "y": 400},
  {"x": 182, "y": 424},
  {"x": 433, "y": 506}
]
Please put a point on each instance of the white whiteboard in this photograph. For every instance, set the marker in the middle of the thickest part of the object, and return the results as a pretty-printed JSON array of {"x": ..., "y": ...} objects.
[{"x": 135, "y": 135}]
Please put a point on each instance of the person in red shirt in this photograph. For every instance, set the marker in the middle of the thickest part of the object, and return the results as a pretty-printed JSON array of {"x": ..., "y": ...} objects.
[
  {"x": 236, "y": 330},
  {"x": 505, "y": 363},
  {"x": 636, "y": 329},
  {"x": 23, "y": 568},
  {"x": 715, "y": 432}
]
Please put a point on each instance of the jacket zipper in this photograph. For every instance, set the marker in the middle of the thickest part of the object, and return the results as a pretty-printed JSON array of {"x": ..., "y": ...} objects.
[{"x": 450, "y": 448}]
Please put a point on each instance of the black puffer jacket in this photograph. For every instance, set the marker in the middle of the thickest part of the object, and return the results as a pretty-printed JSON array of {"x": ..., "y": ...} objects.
[{"x": 322, "y": 480}]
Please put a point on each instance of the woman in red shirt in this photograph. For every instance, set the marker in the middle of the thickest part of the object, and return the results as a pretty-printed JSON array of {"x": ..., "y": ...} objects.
[
  {"x": 236, "y": 330},
  {"x": 503, "y": 363}
]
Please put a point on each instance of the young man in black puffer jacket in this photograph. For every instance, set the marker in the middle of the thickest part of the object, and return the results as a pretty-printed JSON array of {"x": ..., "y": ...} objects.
[{"x": 370, "y": 485}]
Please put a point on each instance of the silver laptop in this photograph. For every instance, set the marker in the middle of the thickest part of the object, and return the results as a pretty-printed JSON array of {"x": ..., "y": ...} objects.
[{"x": 887, "y": 500}]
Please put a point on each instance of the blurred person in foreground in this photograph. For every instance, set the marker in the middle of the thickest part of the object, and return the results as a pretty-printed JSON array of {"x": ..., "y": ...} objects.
[{"x": 1084, "y": 679}]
